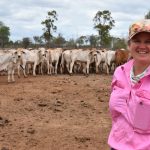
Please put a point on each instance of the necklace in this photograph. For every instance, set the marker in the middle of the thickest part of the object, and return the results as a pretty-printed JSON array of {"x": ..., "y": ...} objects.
[{"x": 136, "y": 78}]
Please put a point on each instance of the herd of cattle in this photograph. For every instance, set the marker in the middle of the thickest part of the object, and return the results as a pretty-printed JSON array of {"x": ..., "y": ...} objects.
[{"x": 53, "y": 61}]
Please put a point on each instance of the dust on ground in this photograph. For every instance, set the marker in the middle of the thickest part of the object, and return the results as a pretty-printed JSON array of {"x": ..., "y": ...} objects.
[{"x": 55, "y": 113}]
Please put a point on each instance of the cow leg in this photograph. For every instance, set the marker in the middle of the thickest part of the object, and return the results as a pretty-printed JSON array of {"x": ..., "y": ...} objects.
[
  {"x": 56, "y": 64},
  {"x": 23, "y": 68},
  {"x": 97, "y": 66},
  {"x": 61, "y": 68},
  {"x": 107, "y": 68},
  {"x": 12, "y": 75},
  {"x": 47, "y": 62},
  {"x": 50, "y": 69},
  {"x": 42, "y": 64},
  {"x": 34, "y": 67},
  {"x": 71, "y": 67},
  {"x": 9, "y": 74},
  {"x": 9, "y": 77},
  {"x": 9, "y": 71},
  {"x": 18, "y": 70},
  {"x": 68, "y": 66},
  {"x": 87, "y": 68}
]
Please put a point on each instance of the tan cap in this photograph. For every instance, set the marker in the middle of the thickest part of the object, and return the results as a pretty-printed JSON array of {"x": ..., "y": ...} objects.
[{"x": 139, "y": 26}]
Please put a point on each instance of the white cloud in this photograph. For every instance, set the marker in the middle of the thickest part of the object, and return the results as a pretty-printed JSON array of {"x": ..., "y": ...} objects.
[{"x": 75, "y": 18}]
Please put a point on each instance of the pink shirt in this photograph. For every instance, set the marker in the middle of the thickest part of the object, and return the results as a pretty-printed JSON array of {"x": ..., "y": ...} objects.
[{"x": 130, "y": 110}]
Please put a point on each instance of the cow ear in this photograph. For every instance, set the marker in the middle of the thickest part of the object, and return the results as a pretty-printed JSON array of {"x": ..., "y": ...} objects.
[
  {"x": 98, "y": 52},
  {"x": 23, "y": 52},
  {"x": 90, "y": 52}
]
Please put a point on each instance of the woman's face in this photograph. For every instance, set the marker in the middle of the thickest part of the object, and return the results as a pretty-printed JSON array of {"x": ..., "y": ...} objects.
[{"x": 139, "y": 47}]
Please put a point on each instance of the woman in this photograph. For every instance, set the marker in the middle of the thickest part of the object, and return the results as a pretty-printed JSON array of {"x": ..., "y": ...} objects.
[{"x": 130, "y": 97}]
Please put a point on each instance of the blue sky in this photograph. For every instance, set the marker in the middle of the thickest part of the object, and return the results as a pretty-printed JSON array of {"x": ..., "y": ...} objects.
[{"x": 75, "y": 17}]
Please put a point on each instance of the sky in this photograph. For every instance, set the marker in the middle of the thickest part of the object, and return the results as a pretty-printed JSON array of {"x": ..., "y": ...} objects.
[{"x": 75, "y": 17}]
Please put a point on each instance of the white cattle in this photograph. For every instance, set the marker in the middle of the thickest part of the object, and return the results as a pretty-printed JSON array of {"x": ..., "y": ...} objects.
[
  {"x": 100, "y": 61},
  {"x": 34, "y": 57},
  {"x": 110, "y": 60},
  {"x": 85, "y": 56},
  {"x": 53, "y": 57},
  {"x": 8, "y": 62},
  {"x": 65, "y": 61}
]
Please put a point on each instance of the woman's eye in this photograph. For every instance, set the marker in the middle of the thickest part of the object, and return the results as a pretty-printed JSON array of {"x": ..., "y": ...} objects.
[
  {"x": 147, "y": 42},
  {"x": 136, "y": 41}
]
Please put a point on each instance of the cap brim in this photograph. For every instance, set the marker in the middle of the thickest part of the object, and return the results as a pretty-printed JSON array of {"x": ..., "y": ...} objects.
[{"x": 136, "y": 34}]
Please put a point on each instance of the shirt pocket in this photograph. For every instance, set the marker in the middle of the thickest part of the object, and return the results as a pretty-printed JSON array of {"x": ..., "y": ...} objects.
[{"x": 141, "y": 118}]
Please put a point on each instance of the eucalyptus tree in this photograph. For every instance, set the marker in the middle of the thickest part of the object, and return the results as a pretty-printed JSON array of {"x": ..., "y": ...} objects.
[
  {"x": 82, "y": 40},
  {"x": 59, "y": 41},
  {"x": 26, "y": 42},
  {"x": 38, "y": 40},
  {"x": 119, "y": 43},
  {"x": 93, "y": 40},
  {"x": 147, "y": 16},
  {"x": 49, "y": 26},
  {"x": 103, "y": 23},
  {"x": 4, "y": 34},
  {"x": 71, "y": 43},
  {"x": 17, "y": 44}
]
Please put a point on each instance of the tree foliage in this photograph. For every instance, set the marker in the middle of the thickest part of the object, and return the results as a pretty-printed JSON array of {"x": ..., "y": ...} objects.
[
  {"x": 119, "y": 43},
  {"x": 38, "y": 41},
  {"x": 26, "y": 42},
  {"x": 49, "y": 25},
  {"x": 59, "y": 41},
  {"x": 82, "y": 40},
  {"x": 71, "y": 43},
  {"x": 103, "y": 23},
  {"x": 147, "y": 16},
  {"x": 4, "y": 34},
  {"x": 93, "y": 40}
]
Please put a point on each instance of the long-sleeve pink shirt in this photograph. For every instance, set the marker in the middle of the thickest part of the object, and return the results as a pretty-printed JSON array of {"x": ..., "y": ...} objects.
[{"x": 130, "y": 110}]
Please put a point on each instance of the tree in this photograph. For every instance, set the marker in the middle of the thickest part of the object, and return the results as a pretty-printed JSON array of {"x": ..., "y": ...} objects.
[
  {"x": 119, "y": 43},
  {"x": 49, "y": 26},
  {"x": 26, "y": 42},
  {"x": 59, "y": 41},
  {"x": 71, "y": 43},
  {"x": 103, "y": 23},
  {"x": 17, "y": 43},
  {"x": 147, "y": 16},
  {"x": 4, "y": 34},
  {"x": 82, "y": 40},
  {"x": 93, "y": 41},
  {"x": 38, "y": 40}
]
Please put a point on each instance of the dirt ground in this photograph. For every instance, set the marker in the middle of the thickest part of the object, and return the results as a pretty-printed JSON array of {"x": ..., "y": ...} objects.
[{"x": 55, "y": 113}]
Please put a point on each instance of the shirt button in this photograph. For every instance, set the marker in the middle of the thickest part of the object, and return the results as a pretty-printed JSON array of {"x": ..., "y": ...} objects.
[{"x": 141, "y": 103}]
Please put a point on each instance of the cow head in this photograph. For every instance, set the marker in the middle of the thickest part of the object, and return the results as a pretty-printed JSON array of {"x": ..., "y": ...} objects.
[{"x": 93, "y": 55}]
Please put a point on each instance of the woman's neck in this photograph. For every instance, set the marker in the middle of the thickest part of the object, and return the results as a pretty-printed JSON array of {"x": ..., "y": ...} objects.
[{"x": 138, "y": 68}]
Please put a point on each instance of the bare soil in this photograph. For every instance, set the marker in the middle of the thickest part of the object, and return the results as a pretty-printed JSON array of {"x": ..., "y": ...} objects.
[{"x": 55, "y": 113}]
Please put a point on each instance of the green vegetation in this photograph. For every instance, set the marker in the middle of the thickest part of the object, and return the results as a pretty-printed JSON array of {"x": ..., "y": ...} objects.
[
  {"x": 4, "y": 34},
  {"x": 103, "y": 23}
]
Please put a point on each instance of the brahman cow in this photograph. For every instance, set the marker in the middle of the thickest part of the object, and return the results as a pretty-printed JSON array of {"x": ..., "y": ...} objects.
[
  {"x": 84, "y": 56},
  {"x": 8, "y": 62},
  {"x": 121, "y": 56}
]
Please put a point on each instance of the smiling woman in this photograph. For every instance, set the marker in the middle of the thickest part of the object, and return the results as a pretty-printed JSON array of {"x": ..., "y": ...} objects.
[
  {"x": 140, "y": 45},
  {"x": 130, "y": 99}
]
